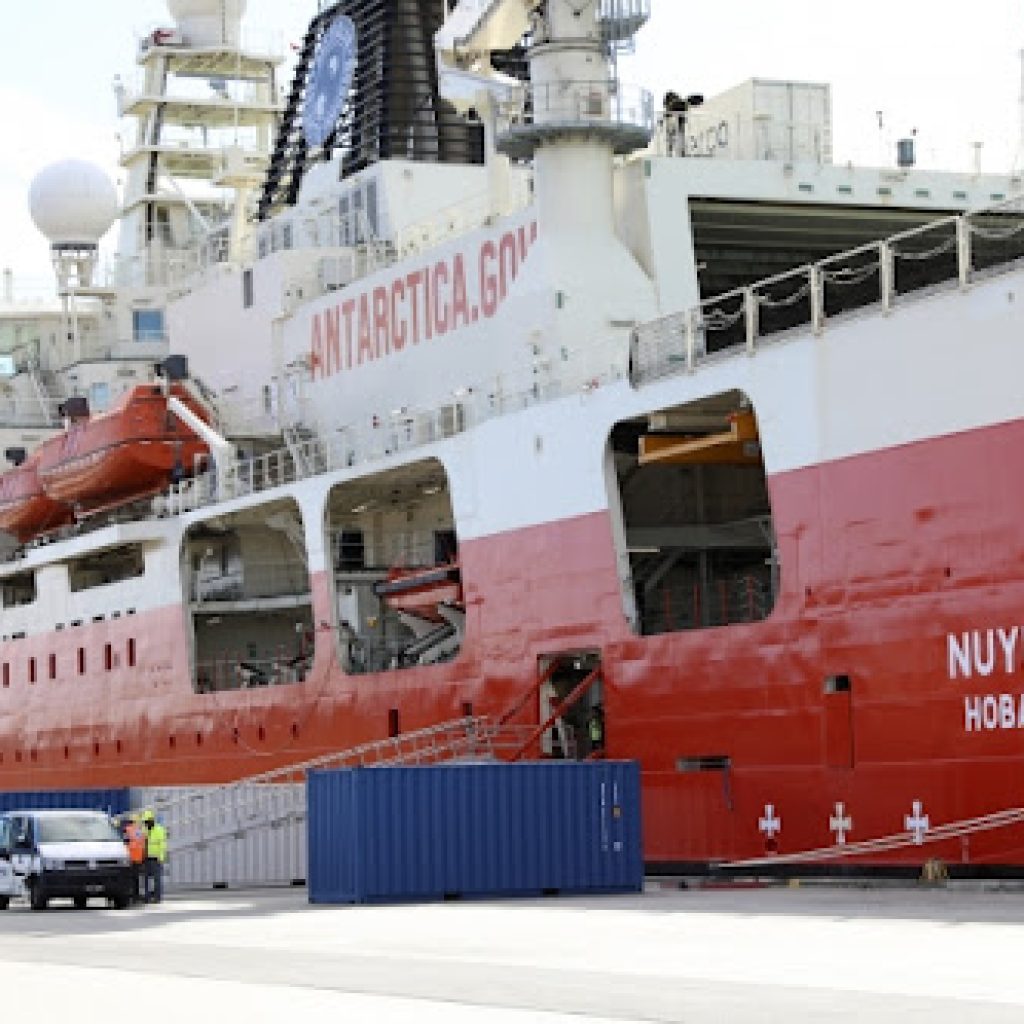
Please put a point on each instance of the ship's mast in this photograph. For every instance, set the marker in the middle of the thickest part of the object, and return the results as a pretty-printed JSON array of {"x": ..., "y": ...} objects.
[{"x": 205, "y": 113}]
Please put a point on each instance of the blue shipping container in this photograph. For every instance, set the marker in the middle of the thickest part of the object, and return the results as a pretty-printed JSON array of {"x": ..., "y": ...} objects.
[
  {"x": 113, "y": 801},
  {"x": 396, "y": 834}
]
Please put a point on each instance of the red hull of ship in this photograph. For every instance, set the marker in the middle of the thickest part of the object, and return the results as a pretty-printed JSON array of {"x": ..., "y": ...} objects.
[{"x": 882, "y": 556}]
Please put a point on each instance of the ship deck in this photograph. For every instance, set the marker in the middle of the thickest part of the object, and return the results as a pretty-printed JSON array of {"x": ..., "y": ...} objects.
[{"x": 813, "y": 953}]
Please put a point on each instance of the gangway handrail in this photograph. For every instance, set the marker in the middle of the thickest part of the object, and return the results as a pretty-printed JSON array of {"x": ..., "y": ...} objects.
[{"x": 475, "y": 734}]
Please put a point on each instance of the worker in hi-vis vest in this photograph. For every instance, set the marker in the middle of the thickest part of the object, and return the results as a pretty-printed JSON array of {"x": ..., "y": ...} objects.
[
  {"x": 156, "y": 855},
  {"x": 135, "y": 840}
]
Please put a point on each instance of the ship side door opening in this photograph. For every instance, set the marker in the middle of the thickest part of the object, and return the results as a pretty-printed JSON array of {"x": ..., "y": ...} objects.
[
  {"x": 397, "y": 577},
  {"x": 697, "y": 528},
  {"x": 249, "y": 599},
  {"x": 572, "y": 707}
]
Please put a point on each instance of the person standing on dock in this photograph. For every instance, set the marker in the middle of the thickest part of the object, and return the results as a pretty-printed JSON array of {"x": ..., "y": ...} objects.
[
  {"x": 135, "y": 840},
  {"x": 156, "y": 856}
]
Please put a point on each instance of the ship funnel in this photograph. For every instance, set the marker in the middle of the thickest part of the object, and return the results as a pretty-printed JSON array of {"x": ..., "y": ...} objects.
[{"x": 208, "y": 22}]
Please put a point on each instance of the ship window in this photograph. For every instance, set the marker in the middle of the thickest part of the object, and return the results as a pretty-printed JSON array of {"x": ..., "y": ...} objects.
[
  {"x": 81, "y": 661},
  {"x": 102, "y": 568},
  {"x": 351, "y": 550},
  {"x": 344, "y": 221},
  {"x": 372, "y": 209},
  {"x": 7, "y": 674},
  {"x": 19, "y": 590},
  {"x": 247, "y": 293},
  {"x": 148, "y": 325},
  {"x": 264, "y": 245},
  {"x": 694, "y": 520},
  {"x": 108, "y": 657},
  {"x": 99, "y": 396},
  {"x": 131, "y": 652},
  {"x": 394, "y": 723},
  {"x": 287, "y": 233},
  {"x": 31, "y": 670},
  {"x": 53, "y": 666}
]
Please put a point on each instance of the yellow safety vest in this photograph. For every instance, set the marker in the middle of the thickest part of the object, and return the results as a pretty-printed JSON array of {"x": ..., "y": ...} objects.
[{"x": 156, "y": 842}]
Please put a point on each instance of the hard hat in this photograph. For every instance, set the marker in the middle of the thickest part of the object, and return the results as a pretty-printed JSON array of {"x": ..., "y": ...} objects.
[{"x": 149, "y": 816}]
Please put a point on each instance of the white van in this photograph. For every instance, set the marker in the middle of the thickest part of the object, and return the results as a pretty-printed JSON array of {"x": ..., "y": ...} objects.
[{"x": 70, "y": 854}]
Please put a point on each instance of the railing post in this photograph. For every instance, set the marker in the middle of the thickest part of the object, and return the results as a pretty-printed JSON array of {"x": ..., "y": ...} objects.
[
  {"x": 886, "y": 276},
  {"x": 817, "y": 300},
  {"x": 963, "y": 250},
  {"x": 750, "y": 311}
]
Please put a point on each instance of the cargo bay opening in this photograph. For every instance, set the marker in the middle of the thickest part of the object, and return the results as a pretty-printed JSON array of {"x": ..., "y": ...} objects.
[
  {"x": 397, "y": 579},
  {"x": 696, "y": 523},
  {"x": 248, "y": 593}
]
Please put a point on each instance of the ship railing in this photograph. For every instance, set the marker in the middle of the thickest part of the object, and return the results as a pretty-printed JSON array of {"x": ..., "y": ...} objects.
[
  {"x": 379, "y": 437},
  {"x": 272, "y": 799},
  {"x": 951, "y": 252},
  {"x": 597, "y": 103}
]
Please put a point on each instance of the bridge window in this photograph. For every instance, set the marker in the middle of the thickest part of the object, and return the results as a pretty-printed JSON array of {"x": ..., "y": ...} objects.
[{"x": 696, "y": 518}]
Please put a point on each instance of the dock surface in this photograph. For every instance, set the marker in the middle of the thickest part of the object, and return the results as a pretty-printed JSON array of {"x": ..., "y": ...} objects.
[{"x": 697, "y": 956}]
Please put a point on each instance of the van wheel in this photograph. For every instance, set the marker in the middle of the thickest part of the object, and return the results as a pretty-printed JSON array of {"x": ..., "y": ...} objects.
[
  {"x": 4, "y": 901},
  {"x": 120, "y": 902},
  {"x": 81, "y": 902},
  {"x": 37, "y": 897}
]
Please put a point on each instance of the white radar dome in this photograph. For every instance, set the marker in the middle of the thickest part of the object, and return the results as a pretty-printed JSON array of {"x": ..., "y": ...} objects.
[
  {"x": 73, "y": 203},
  {"x": 208, "y": 22}
]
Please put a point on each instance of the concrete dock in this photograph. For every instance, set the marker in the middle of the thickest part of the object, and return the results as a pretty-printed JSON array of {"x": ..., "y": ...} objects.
[{"x": 696, "y": 956}]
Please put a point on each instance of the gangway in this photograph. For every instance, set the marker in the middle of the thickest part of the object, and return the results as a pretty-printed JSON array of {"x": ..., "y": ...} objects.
[{"x": 200, "y": 818}]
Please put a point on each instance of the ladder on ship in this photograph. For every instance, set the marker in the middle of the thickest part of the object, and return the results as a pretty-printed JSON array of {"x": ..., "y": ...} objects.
[{"x": 199, "y": 819}]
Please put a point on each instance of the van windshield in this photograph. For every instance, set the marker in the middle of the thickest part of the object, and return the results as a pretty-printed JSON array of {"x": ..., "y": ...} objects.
[{"x": 76, "y": 828}]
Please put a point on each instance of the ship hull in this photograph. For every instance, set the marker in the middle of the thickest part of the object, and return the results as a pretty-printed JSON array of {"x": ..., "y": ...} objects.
[{"x": 751, "y": 698}]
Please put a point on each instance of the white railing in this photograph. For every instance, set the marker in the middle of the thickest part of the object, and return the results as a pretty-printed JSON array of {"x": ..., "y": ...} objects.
[
  {"x": 403, "y": 430},
  {"x": 950, "y": 252},
  {"x": 606, "y": 102}
]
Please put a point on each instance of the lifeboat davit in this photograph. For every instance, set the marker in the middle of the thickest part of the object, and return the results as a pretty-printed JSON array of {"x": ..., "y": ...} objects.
[
  {"x": 26, "y": 510},
  {"x": 130, "y": 452},
  {"x": 420, "y": 591}
]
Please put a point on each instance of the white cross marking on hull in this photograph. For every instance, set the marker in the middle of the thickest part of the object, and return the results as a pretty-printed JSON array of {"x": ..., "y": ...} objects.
[
  {"x": 917, "y": 823},
  {"x": 769, "y": 824},
  {"x": 840, "y": 823}
]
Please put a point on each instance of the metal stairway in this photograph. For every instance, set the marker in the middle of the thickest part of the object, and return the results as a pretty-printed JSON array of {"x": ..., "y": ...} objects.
[{"x": 199, "y": 819}]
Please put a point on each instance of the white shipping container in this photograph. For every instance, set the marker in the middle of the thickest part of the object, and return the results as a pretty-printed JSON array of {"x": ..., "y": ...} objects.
[
  {"x": 224, "y": 849},
  {"x": 762, "y": 119}
]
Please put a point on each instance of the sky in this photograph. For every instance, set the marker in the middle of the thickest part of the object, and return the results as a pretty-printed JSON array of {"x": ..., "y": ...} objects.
[{"x": 952, "y": 71}]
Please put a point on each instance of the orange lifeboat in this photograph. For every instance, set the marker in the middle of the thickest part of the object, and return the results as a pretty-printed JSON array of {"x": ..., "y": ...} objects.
[
  {"x": 25, "y": 509},
  {"x": 130, "y": 452}
]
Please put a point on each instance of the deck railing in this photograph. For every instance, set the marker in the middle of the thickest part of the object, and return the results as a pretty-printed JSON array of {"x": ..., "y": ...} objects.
[{"x": 951, "y": 252}]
